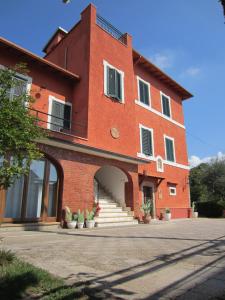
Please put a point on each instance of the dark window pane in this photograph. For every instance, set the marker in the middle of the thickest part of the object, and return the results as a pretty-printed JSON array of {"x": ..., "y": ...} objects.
[
  {"x": 111, "y": 82},
  {"x": 118, "y": 86},
  {"x": 67, "y": 117},
  {"x": 166, "y": 106},
  {"x": 146, "y": 142},
  {"x": 169, "y": 150},
  {"x": 144, "y": 92}
]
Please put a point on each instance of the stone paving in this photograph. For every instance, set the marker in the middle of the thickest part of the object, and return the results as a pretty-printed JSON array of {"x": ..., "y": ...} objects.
[{"x": 181, "y": 259}]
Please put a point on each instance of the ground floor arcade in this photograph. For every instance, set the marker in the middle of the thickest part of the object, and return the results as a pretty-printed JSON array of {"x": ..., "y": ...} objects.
[{"x": 70, "y": 178}]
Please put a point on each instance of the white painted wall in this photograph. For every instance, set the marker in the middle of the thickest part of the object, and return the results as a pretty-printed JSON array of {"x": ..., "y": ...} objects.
[{"x": 113, "y": 179}]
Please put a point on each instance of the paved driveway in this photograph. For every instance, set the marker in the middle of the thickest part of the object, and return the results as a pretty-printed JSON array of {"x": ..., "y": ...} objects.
[{"x": 183, "y": 259}]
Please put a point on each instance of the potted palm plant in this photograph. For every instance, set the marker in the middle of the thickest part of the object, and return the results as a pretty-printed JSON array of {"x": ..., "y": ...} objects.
[
  {"x": 167, "y": 214},
  {"x": 194, "y": 210},
  {"x": 147, "y": 208},
  {"x": 90, "y": 222},
  {"x": 80, "y": 219},
  {"x": 70, "y": 218}
]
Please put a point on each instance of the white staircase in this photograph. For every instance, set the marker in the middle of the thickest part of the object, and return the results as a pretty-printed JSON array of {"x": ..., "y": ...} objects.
[{"x": 111, "y": 214}]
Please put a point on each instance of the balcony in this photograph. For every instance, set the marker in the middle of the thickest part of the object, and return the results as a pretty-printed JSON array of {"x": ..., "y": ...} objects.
[
  {"x": 58, "y": 125},
  {"x": 110, "y": 29}
]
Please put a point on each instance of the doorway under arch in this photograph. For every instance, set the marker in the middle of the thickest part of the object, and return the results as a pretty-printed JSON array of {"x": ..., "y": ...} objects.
[{"x": 116, "y": 182}]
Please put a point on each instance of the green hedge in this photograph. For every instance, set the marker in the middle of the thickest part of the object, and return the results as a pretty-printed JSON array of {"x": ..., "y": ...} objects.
[{"x": 209, "y": 209}]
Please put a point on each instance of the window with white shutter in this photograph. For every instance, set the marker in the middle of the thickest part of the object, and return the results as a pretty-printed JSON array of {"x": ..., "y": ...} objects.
[
  {"x": 166, "y": 105},
  {"x": 60, "y": 116},
  {"x": 113, "y": 82},
  {"x": 169, "y": 149},
  {"x": 143, "y": 91},
  {"x": 146, "y": 141}
]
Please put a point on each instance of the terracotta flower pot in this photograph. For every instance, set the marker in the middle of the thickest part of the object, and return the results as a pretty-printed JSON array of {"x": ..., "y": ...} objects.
[{"x": 147, "y": 219}]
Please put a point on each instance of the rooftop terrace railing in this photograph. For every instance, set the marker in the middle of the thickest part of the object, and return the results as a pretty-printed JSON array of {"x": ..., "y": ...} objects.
[{"x": 113, "y": 31}]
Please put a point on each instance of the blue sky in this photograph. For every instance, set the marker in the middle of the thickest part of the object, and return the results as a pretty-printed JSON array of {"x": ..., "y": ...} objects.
[{"x": 185, "y": 38}]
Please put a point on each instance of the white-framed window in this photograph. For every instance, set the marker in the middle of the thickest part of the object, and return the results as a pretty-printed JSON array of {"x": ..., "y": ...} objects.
[
  {"x": 146, "y": 141},
  {"x": 169, "y": 149},
  {"x": 113, "y": 82},
  {"x": 22, "y": 85},
  {"x": 144, "y": 95},
  {"x": 172, "y": 190},
  {"x": 159, "y": 164},
  {"x": 166, "y": 105},
  {"x": 59, "y": 114}
]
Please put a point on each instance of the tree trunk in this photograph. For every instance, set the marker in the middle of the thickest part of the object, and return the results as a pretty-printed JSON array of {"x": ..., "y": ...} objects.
[{"x": 2, "y": 204}]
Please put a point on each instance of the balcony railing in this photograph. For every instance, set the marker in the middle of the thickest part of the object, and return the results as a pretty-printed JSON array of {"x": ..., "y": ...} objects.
[
  {"x": 57, "y": 124},
  {"x": 104, "y": 24}
]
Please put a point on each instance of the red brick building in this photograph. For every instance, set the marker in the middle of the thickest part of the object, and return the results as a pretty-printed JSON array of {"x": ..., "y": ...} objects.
[{"x": 115, "y": 124}]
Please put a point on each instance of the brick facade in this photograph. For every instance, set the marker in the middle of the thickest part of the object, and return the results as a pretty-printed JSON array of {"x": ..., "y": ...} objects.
[{"x": 80, "y": 54}]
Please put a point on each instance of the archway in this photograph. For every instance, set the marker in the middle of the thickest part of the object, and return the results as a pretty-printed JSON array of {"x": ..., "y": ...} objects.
[
  {"x": 34, "y": 197},
  {"x": 115, "y": 182}
]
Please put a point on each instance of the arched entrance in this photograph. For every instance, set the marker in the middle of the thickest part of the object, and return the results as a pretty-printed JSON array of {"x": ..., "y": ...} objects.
[
  {"x": 34, "y": 197},
  {"x": 116, "y": 182}
]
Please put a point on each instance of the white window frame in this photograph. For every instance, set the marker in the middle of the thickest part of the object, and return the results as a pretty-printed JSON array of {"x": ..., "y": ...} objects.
[
  {"x": 50, "y": 100},
  {"x": 172, "y": 188},
  {"x": 149, "y": 91},
  {"x": 141, "y": 154},
  {"x": 174, "y": 151},
  {"x": 106, "y": 64},
  {"x": 27, "y": 78},
  {"x": 157, "y": 168},
  {"x": 168, "y": 97}
]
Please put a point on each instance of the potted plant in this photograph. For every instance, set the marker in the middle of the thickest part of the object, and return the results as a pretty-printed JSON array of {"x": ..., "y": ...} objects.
[
  {"x": 147, "y": 208},
  {"x": 70, "y": 219},
  {"x": 90, "y": 222},
  {"x": 194, "y": 210},
  {"x": 80, "y": 219},
  {"x": 167, "y": 214},
  {"x": 97, "y": 209}
]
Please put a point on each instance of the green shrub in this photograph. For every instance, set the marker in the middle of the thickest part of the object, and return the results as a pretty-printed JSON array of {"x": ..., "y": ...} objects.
[
  {"x": 209, "y": 209},
  {"x": 6, "y": 257},
  {"x": 80, "y": 216},
  {"x": 90, "y": 215}
]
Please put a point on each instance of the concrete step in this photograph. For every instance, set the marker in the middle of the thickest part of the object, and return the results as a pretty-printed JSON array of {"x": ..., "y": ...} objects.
[
  {"x": 117, "y": 224},
  {"x": 113, "y": 219},
  {"x": 112, "y": 214},
  {"x": 111, "y": 209},
  {"x": 105, "y": 201},
  {"x": 108, "y": 205}
]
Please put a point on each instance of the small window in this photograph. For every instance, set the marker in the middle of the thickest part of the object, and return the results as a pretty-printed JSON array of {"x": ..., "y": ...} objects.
[
  {"x": 166, "y": 105},
  {"x": 159, "y": 164},
  {"x": 113, "y": 82},
  {"x": 146, "y": 141},
  {"x": 60, "y": 116},
  {"x": 18, "y": 89},
  {"x": 172, "y": 190},
  {"x": 169, "y": 147},
  {"x": 143, "y": 91}
]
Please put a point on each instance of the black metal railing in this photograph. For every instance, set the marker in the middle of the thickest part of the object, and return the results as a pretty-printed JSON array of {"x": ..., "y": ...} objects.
[
  {"x": 113, "y": 31},
  {"x": 57, "y": 124}
]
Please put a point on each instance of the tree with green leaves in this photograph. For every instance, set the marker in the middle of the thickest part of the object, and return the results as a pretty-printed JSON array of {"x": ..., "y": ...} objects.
[
  {"x": 19, "y": 129},
  {"x": 207, "y": 182}
]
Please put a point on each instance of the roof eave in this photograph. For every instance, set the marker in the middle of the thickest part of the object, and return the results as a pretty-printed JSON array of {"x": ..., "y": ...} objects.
[
  {"x": 164, "y": 77},
  {"x": 39, "y": 59}
]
